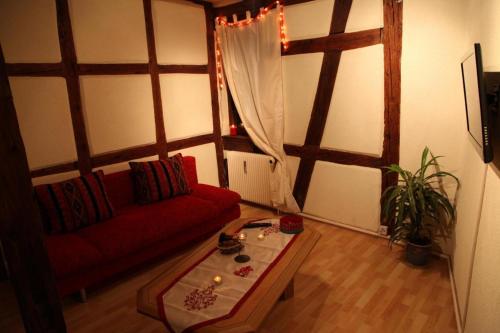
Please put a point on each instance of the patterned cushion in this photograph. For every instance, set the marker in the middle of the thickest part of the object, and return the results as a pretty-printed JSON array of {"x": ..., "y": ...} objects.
[
  {"x": 74, "y": 203},
  {"x": 158, "y": 180}
]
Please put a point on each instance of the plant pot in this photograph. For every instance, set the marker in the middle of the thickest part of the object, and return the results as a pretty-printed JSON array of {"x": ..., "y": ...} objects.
[{"x": 418, "y": 254}]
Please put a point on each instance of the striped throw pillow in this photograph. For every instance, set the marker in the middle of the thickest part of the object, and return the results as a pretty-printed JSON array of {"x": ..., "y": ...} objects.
[
  {"x": 159, "y": 180},
  {"x": 74, "y": 204}
]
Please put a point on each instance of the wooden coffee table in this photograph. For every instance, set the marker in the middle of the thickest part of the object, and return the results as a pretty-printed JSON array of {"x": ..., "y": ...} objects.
[{"x": 278, "y": 282}]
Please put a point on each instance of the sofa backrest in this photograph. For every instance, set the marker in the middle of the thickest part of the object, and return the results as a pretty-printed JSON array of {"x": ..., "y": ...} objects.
[{"x": 120, "y": 186}]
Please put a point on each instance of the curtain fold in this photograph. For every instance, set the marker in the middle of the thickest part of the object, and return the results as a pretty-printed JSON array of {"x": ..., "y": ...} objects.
[{"x": 251, "y": 56}]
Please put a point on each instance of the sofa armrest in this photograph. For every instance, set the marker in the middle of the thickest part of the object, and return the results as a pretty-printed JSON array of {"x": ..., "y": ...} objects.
[{"x": 190, "y": 170}]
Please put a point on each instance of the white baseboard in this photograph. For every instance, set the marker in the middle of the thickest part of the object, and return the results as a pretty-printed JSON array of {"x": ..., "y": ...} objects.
[
  {"x": 342, "y": 225},
  {"x": 458, "y": 317}
]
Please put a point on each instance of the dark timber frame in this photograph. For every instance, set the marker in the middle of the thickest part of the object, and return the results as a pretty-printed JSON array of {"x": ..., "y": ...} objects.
[
  {"x": 71, "y": 70},
  {"x": 332, "y": 46}
]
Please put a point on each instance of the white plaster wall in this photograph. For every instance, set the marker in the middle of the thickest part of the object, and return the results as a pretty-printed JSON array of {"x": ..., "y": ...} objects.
[
  {"x": 365, "y": 14},
  {"x": 309, "y": 20},
  {"x": 187, "y": 105},
  {"x": 468, "y": 211},
  {"x": 118, "y": 111},
  {"x": 109, "y": 31},
  {"x": 180, "y": 32},
  {"x": 44, "y": 119},
  {"x": 484, "y": 304},
  {"x": 346, "y": 194},
  {"x": 355, "y": 121},
  {"x": 206, "y": 162},
  {"x": 300, "y": 81},
  {"x": 432, "y": 103},
  {"x": 28, "y": 31}
]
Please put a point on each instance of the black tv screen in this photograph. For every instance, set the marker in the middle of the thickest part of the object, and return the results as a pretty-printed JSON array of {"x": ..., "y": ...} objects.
[{"x": 475, "y": 102}]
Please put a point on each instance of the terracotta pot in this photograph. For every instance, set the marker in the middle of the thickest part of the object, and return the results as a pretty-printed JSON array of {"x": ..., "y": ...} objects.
[{"x": 417, "y": 254}]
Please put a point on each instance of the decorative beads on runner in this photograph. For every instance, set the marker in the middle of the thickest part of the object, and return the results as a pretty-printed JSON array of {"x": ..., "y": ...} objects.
[{"x": 200, "y": 299}]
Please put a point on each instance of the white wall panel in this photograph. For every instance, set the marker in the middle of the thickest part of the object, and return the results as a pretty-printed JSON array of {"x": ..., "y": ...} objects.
[
  {"x": 44, "y": 119},
  {"x": 206, "y": 162},
  {"x": 180, "y": 32},
  {"x": 365, "y": 14},
  {"x": 300, "y": 81},
  {"x": 187, "y": 105},
  {"x": 309, "y": 20},
  {"x": 356, "y": 118},
  {"x": 28, "y": 31},
  {"x": 58, "y": 177},
  {"x": 484, "y": 303},
  {"x": 109, "y": 31},
  {"x": 346, "y": 194},
  {"x": 468, "y": 213},
  {"x": 118, "y": 111}
]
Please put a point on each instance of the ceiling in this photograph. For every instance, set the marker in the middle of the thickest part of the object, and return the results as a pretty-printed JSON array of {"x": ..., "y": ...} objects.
[{"x": 220, "y": 3}]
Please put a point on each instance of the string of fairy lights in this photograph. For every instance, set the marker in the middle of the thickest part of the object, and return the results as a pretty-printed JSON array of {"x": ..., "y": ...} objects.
[{"x": 249, "y": 20}]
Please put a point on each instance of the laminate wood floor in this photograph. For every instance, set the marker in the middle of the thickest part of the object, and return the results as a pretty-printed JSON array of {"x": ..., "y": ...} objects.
[{"x": 351, "y": 282}]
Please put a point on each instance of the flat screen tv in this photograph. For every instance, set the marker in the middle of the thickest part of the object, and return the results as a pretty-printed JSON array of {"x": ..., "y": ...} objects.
[{"x": 476, "y": 104}]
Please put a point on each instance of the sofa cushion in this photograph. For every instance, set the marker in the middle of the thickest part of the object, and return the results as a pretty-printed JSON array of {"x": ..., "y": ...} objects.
[
  {"x": 69, "y": 253},
  {"x": 139, "y": 226},
  {"x": 159, "y": 180},
  {"x": 222, "y": 198},
  {"x": 74, "y": 203}
]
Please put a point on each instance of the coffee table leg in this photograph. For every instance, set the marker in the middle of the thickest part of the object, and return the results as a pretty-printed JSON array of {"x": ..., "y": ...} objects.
[{"x": 288, "y": 292}]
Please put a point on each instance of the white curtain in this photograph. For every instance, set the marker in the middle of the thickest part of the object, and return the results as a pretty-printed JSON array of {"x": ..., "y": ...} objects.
[{"x": 251, "y": 56}]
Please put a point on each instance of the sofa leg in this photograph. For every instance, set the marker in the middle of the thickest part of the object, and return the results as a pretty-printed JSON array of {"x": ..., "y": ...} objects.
[{"x": 83, "y": 295}]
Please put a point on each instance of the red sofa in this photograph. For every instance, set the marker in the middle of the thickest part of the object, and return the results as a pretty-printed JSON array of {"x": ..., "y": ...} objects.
[{"x": 138, "y": 234}]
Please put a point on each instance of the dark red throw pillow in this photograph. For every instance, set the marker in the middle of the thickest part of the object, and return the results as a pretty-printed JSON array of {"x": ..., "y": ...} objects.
[
  {"x": 158, "y": 180},
  {"x": 74, "y": 203}
]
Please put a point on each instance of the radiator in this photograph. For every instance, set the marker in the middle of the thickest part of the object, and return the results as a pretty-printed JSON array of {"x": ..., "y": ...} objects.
[{"x": 249, "y": 175}]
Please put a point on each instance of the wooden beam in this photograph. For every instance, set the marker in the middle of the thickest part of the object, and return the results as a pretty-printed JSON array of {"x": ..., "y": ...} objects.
[
  {"x": 124, "y": 155},
  {"x": 35, "y": 69},
  {"x": 191, "y": 142},
  {"x": 245, "y": 144},
  {"x": 112, "y": 69},
  {"x": 337, "y": 42},
  {"x": 154, "y": 71},
  {"x": 321, "y": 106},
  {"x": 59, "y": 168},
  {"x": 20, "y": 227},
  {"x": 393, "y": 27},
  {"x": 212, "y": 70},
  {"x": 68, "y": 55},
  {"x": 253, "y": 6},
  {"x": 187, "y": 69}
]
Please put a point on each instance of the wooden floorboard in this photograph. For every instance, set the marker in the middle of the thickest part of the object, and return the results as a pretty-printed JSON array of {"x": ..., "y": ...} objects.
[{"x": 351, "y": 282}]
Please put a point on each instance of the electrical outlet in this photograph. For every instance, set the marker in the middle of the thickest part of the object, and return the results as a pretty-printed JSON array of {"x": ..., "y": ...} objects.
[{"x": 382, "y": 230}]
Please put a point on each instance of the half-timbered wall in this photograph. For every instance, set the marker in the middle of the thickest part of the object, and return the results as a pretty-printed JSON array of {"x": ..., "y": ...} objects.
[
  {"x": 98, "y": 83},
  {"x": 341, "y": 89}
]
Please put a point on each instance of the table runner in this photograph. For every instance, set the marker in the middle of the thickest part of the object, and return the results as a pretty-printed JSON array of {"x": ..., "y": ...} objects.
[{"x": 193, "y": 300}]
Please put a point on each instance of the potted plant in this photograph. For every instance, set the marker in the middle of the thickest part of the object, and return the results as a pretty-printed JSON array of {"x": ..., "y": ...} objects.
[{"x": 418, "y": 208}]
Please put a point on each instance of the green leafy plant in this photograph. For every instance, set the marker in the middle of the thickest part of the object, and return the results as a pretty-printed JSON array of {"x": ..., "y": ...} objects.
[{"x": 418, "y": 207}]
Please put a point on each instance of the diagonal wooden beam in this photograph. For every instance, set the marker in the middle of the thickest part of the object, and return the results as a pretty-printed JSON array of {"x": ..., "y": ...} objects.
[
  {"x": 161, "y": 138},
  {"x": 340, "y": 42},
  {"x": 319, "y": 114},
  {"x": 68, "y": 55}
]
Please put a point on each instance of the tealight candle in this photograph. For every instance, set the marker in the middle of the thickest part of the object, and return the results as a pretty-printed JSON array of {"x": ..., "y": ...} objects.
[
  {"x": 218, "y": 279},
  {"x": 260, "y": 237},
  {"x": 242, "y": 236}
]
